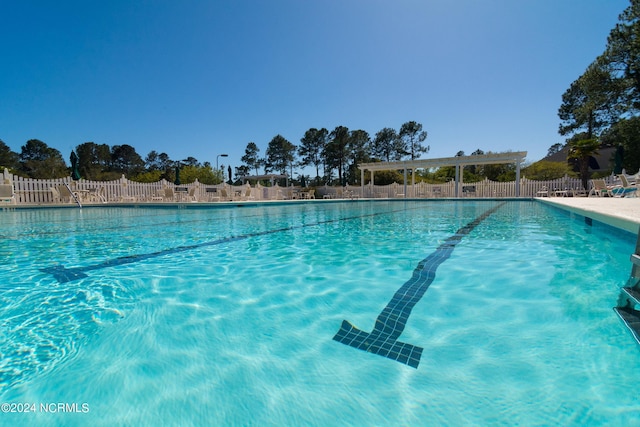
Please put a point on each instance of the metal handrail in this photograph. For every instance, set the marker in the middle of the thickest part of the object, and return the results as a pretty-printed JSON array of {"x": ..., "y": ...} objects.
[{"x": 74, "y": 195}]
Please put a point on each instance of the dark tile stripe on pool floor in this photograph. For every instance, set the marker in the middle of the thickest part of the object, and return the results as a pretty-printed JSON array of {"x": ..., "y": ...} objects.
[
  {"x": 383, "y": 340},
  {"x": 63, "y": 274}
]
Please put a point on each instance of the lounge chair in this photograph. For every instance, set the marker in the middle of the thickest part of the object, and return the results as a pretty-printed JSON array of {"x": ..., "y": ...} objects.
[
  {"x": 192, "y": 194},
  {"x": 158, "y": 196},
  {"x": 626, "y": 190},
  {"x": 247, "y": 194},
  {"x": 579, "y": 192},
  {"x": 7, "y": 194},
  {"x": 469, "y": 190},
  {"x": 65, "y": 194},
  {"x": 55, "y": 195},
  {"x": 97, "y": 195},
  {"x": 543, "y": 192},
  {"x": 224, "y": 196},
  {"x": 311, "y": 194},
  {"x": 599, "y": 188},
  {"x": 169, "y": 195}
]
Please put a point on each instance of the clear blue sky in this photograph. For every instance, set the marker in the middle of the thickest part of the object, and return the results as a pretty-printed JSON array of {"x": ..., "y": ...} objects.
[{"x": 205, "y": 77}]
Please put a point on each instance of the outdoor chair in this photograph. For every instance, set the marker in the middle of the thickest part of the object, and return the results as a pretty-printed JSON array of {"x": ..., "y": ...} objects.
[
  {"x": 224, "y": 195},
  {"x": 97, "y": 195},
  {"x": 599, "y": 188},
  {"x": 65, "y": 194},
  {"x": 626, "y": 190},
  {"x": 169, "y": 195},
  {"x": 55, "y": 195},
  {"x": 192, "y": 194},
  {"x": 6, "y": 193},
  {"x": 543, "y": 192},
  {"x": 247, "y": 194},
  {"x": 158, "y": 196},
  {"x": 469, "y": 190},
  {"x": 579, "y": 192}
]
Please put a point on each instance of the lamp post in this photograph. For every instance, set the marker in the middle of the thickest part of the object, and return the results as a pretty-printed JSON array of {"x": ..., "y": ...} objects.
[{"x": 220, "y": 155}]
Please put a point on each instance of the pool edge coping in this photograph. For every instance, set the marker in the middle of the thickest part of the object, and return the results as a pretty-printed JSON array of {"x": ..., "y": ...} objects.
[{"x": 604, "y": 214}]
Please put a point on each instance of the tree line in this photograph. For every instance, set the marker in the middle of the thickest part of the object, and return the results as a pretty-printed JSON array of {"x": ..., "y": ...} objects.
[
  {"x": 333, "y": 155},
  {"x": 100, "y": 162},
  {"x": 600, "y": 108}
]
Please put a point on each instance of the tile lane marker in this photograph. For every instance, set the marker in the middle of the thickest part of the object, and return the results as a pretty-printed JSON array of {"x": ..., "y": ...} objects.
[
  {"x": 383, "y": 340},
  {"x": 63, "y": 274}
]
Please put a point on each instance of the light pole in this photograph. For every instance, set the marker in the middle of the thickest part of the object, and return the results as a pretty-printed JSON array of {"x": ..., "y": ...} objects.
[{"x": 220, "y": 155}]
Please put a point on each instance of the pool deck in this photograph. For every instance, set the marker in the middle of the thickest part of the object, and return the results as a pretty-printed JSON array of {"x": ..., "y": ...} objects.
[{"x": 621, "y": 212}]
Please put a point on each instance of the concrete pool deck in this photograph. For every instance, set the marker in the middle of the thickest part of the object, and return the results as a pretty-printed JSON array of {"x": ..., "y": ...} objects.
[{"x": 622, "y": 213}]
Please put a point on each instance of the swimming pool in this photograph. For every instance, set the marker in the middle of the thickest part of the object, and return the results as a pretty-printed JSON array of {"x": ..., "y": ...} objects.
[{"x": 233, "y": 316}]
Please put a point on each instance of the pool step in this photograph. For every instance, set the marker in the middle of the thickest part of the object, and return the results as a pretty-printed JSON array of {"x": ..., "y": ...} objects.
[
  {"x": 632, "y": 293},
  {"x": 631, "y": 319},
  {"x": 630, "y": 296}
]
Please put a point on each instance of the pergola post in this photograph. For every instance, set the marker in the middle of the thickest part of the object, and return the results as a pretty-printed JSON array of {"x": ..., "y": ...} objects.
[
  {"x": 457, "y": 178},
  {"x": 405, "y": 182},
  {"x": 372, "y": 184},
  {"x": 413, "y": 182},
  {"x": 517, "y": 178}
]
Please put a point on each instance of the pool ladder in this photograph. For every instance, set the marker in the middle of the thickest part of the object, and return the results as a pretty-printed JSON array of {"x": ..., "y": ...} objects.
[
  {"x": 74, "y": 195},
  {"x": 630, "y": 296}
]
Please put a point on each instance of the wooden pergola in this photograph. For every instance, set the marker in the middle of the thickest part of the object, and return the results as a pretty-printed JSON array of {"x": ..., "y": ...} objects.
[{"x": 458, "y": 162}]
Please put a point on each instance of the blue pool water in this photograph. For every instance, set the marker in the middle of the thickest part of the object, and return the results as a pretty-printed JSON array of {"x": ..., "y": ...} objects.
[{"x": 232, "y": 316}]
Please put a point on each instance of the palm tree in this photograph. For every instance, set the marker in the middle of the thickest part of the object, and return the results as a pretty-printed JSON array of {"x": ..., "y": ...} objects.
[{"x": 581, "y": 149}]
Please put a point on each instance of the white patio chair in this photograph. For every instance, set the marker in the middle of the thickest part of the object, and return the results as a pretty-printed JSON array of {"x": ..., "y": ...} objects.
[
  {"x": 65, "y": 195},
  {"x": 247, "y": 194},
  {"x": 191, "y": 196},
  {"x": 169, "y": 195},
  {"x": 97, "y": 195},
  {"x": 626, "y": 189},
  {"x": 158, "y": 196},
  {"x": 543, "y": 192},
  {"x": 7, "y": 194}
]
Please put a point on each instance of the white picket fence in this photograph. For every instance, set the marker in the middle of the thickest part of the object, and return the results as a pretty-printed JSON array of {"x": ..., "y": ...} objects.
[
  {"x": 39, "y": 191},
  {"x": 482, "y": 189},
  {"x": 46, "y": 191}
]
